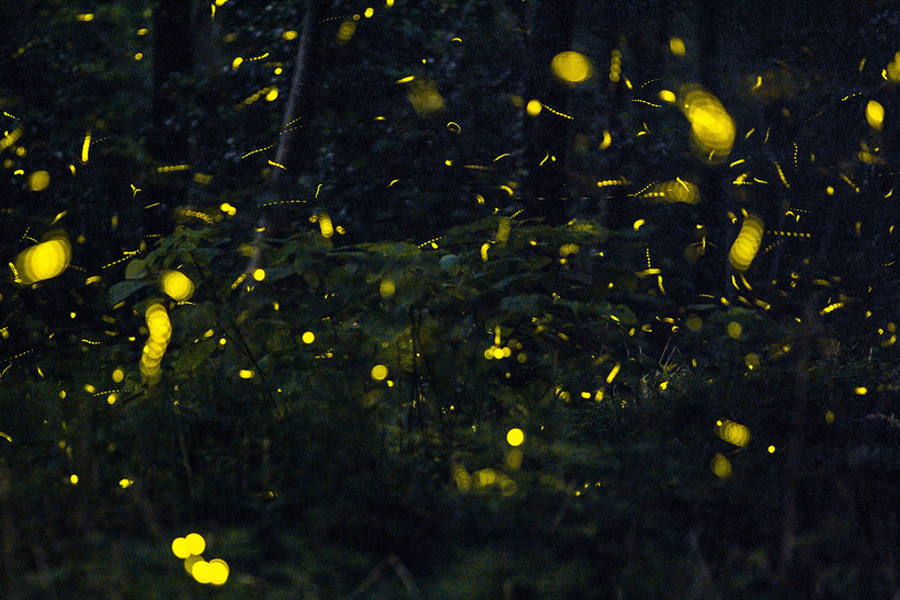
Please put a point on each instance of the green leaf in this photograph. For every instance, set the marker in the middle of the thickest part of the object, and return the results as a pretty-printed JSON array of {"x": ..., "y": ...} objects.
[
  {"x": 122, "y": 290},
  {"x": 191, "y": 356},
  {"x": 525, "y": 304}
]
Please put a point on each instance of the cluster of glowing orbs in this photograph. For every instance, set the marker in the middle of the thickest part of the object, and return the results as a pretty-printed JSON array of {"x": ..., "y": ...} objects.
[
  {"x": 745, "y": 247},
  {"x": 712, "y": 128},
  {"x": 214, "y": 571},
  {"x": 496, "y": 352},
  {"x": 875, "y": 115},
  {"x": 733, "y": 433},
  {"x": 483, "y": 478},
  {"x": 160, "y": 332},
  {"x": 189, "y": 549},
  {"x": 191, "y": 544},
  {"x": 325, "y": 225},
  {"x": 177, "y": 285},
  {"x": 571, "y": 68},
  {"x": 42, "y": 261}
]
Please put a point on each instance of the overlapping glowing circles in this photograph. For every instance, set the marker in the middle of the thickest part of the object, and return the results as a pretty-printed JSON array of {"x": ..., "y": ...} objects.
[
  {"x": 325, "y": 225},
  {"x": 158, "y": 322},
  {"x": 875, "y": 115},
  {"x": 745, "y": 247},
  {"x": 733, "y": 433},
  {"x": 160, "y": 333},
  {"x": 180, "y": 548},
  {"x": 217, "y": 571},
  {"x": 571, "y": 68},
  {"x": 177, "y": 285},
  {"x": 38, "y": 181},
  {"x": 712, "y": 128},
  {"x": 42, "y": 261}
]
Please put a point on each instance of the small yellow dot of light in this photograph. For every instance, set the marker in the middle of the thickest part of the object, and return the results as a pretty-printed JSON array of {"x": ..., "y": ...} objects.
[
  {"x": 771, "y": 449},
  {"x": 309, "y": 337}
]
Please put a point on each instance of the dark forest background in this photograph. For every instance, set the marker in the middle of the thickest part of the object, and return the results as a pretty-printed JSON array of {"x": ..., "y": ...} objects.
[{"x": 383, "y": 302}]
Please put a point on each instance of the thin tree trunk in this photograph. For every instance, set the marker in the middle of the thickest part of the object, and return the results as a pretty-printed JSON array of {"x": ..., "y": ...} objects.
[{"x": 297, "y": 82}]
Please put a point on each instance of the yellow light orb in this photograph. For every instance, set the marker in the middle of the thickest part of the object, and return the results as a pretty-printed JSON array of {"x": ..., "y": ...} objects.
[
  {"x": 515, "y": 437},
  {"x": 875, "y": 115},
  {"x": 195, "y": 543},
  {"x": 45, "y": 260},
  {"x": 379, "y": 372},
  {"x": 694, "y": 323},
  {"x": 571, "y": 67},
  {"x": 201, "y": 572},
  {"x": 218, "y": 571},
  {"x": 38, "y": 181},
  {"x": 177, "y": 285},
  {"x": 180, "y": 547},
  {"x": 721, "y": 466}
]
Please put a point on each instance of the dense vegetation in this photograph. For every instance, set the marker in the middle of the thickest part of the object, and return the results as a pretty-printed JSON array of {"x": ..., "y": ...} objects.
[{"x": 636, "y": 341}]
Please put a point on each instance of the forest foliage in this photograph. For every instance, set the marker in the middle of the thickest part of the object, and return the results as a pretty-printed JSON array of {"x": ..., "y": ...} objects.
[{"x": 387, "y": 372}]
